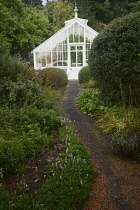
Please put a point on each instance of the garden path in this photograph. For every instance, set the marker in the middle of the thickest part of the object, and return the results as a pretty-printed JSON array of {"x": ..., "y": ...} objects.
[{"x": 117, "y": 186}]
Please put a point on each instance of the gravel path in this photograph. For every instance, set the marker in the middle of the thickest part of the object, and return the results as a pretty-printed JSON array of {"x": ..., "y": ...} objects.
[{"x": 118, "y": 182}]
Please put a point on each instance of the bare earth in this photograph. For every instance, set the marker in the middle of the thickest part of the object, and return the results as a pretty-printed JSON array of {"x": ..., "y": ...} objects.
[{"x": 118, "y": 181}]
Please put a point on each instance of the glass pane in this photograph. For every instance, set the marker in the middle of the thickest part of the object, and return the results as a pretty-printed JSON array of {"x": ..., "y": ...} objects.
[
  {"x": 59, "y": 56},
  {"x": 65, "y": 55},
  {"x": 79, "y": 47},
  {"x": 60, "y": 63},
  {"x": 54, "y": 58},
  {"x": 43, "y": 61},
  {"x": 73, "y": 58},
  {"x": 87, "y": 54},
  {"x": 79, "y": 58},
  {"x": 87, "y": 46},
  {"x": 65, "y": 63},
  {"x": 64, "y": 47},
  {"x": 81, "y": 38},
  {"x": 55, "y": 49},
  {"x": 87, "y": 40},
  {"x": 71, "y": 38},
  {"x": 73, "y": 48},
  {"x": 49, "y": 59},
  {"x": 76, "y": 38},
  {"x": 59, "y": 47}
]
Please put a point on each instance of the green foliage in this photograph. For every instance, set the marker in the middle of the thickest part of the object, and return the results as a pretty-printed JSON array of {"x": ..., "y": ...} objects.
[
  {"x": 113, "y": 65},
  {"x": 22, "y": 27},
  {"x": 53, "y": 77},
  {"x": 102, "y": 12},
  {"x": 27, "y": 117},
  {"x": 84, "y": 75},
  {"x": 90, "y": 84},
  {"x": 91, "y": 102},
  {"x": 23, "y": 132},
  {"x": 58, "y": 12},
  {"x": 11, "y": 67},
  {"x": 33, "y": 2},
  {"x": 126, "y": 147},
  {"x": 123, "y": 123},
  {"x": 70, "y": 178}
]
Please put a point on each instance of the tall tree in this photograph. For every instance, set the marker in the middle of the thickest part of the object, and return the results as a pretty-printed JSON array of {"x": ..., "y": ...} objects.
[
  {"x": 33, "y": 2},
  {"x": 100, "y": 12},
  {"x": 58, "y": 12},
  {"x": 21, "y": 27}
]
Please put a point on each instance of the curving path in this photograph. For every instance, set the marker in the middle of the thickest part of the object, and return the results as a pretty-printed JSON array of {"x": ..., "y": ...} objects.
[{"x": 118, "y": 182}]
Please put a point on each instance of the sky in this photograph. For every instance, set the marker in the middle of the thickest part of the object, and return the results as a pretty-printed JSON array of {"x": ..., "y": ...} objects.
[{"x": 44, "y": 2}]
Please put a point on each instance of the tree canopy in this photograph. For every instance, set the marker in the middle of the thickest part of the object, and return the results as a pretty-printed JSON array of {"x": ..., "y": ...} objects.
[
  {"x": 24, "y": 24},
  {"x": 21, "y": 27},
  {"x": 33, "y": 2}
]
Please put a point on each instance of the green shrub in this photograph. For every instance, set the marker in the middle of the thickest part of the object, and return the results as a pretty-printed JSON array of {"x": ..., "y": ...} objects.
[
  {"x": 84, "y": 75},
  {"x": 24, "y": 131},
  {"x": 53, "y": 77},
  {"x": 115, "y": 61},
  {"x": 27, "y": 93},
  {"x": 12, "y": 67}
]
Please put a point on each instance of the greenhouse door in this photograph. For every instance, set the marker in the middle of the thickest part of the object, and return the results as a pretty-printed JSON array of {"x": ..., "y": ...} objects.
[{"x": 76, "y": 60}]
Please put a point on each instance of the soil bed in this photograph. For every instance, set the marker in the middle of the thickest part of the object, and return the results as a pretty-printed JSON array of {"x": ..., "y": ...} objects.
[
  {"x": 35, "y": 171},
  {"x": 118, "y": 182}
]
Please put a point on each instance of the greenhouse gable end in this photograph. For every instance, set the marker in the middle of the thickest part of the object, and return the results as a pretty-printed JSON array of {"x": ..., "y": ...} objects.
[{"x": 67, "y": 49}]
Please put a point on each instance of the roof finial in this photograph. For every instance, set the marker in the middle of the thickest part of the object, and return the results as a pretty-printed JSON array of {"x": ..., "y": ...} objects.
[{"x": 75, "y": 10}]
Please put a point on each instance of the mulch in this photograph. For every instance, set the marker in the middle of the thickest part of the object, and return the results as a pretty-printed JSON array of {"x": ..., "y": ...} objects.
[{"x": 117, "y": 186}]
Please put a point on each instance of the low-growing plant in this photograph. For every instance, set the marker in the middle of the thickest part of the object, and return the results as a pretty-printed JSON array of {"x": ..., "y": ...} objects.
[
  {"x": 89, "y": 84},
  {"x": 126, "y": 146},
  {"x": 70, "y": 178},
  {"x": 122, "y": 122},
  {"x": 90, "y": 102}
]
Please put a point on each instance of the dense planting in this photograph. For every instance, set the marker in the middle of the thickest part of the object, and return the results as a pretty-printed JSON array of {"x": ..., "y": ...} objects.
[
  {"x": 115, "y": 61},
  {"x": 70, "y": 177},
  {"x": 31, "y": 125},
  {"x": 26, "y": 124},
  {"x": 122, "y": 123}
]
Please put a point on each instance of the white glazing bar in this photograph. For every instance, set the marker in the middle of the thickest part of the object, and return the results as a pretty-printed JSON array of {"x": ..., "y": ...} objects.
[
  {"x": 68, "y": 53},
  {"x": 62, "y": 51},
  {"x": 84, "y": 48},
  {"x": 35, "y": 61},
  {"x": 78, "y": 34},
  {"x": 51, "y": 55},
  {"x": 90, "y": 41},
  {"x": 76, "y": 57},
  {"x": 73, "y": 32},
  {"x": 57, "y": 55}
]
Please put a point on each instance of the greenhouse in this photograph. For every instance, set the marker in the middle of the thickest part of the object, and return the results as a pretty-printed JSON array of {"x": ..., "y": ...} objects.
[{"x": 67, "y": 49}]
